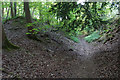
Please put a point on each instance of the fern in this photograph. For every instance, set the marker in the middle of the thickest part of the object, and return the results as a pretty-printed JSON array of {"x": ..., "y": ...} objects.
[
  {"x": 72, "y": 37},
  {"x": 95, "y": 35}
]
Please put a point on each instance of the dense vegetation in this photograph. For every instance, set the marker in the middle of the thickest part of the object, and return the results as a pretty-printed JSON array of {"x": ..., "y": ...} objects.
[{"x": 95, "y": 20}]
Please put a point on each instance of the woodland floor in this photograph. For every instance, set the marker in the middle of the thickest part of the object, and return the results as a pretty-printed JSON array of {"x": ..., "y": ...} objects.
[{"x": 57, "y": 56}]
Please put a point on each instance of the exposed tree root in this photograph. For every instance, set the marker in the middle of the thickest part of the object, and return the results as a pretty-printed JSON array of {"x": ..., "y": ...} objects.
[
  {"x": 33, "y": 37},
  {"x": 10, "y": 73},
  {"x": 9, "y": 46}
]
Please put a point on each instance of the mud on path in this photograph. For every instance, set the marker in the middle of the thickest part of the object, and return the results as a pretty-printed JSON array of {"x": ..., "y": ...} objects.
[{"x": 57, "y": 56}]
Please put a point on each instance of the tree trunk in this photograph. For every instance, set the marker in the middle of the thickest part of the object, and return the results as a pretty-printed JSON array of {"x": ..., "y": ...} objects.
[
  {"x": 27, "y": 15},
  {"x": 2, "y": 11},
  {"x": 119, "y": 8},
  {"x": 27, "y": 12},
  {"x": 33, "y": 10},
  {"x": 40, "y": 14},
  {"x": 5, "y": 42},
  {"x": 3, "y": 37},
  {"x": 29, "y": 20},
  {"x": 15, "y": 10},
  {"x": 11, "y": 6},
  {"x": 7, "y": 12},
  {"x": 23, "y": 13}
]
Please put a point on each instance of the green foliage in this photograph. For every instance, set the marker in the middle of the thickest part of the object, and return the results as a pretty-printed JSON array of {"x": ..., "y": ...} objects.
[
  {"x": 44, "y": 27},
  {"x": 75, "y": 39},
  {"x": 95, "y": 35},
  {"x": 70, "y": 17},
  {"x": 72, "y": 37},
  {"x": 82, "y": 16}
]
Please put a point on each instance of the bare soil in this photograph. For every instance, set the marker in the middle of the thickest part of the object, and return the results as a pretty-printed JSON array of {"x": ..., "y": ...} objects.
[{"x": 57, "y": 56}]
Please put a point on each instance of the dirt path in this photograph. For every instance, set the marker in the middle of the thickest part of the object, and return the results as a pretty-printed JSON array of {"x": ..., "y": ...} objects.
[{"x": 55, "y": 57}]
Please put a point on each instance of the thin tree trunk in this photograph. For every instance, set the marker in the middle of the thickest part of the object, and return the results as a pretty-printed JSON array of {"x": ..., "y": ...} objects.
[
  {"x": 119, "y": 8},
  {"x": 3, "y": 37},
  {"x": 7, "y": 12},
  {"x": 23, "y": 13},
  {"x": 11, "y": 6},
  {"x": 2, "y": 11},
  {"x": 33, "y": 10},
  {"x": 39, "y": 13},
  {"x": 15, "y": 10}
]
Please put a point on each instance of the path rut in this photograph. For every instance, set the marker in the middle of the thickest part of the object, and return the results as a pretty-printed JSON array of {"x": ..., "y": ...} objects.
[{"x": 48, "y": 60}]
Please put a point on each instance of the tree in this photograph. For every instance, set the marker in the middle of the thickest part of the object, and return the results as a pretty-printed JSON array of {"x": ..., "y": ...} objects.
[
  {"x": 15, "y": 10},
  {"x": 5, "y": 42},
  {"x": 11, "y": 6},
  {"x": 28, "y": 17},
  {"x": 7, "y": 12},
  {"x": 31, "y": 34},
  {"x": 33, "y": 10},
  {"x": 119, "y": 8},
  {"x": 2, "y": 11}
]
